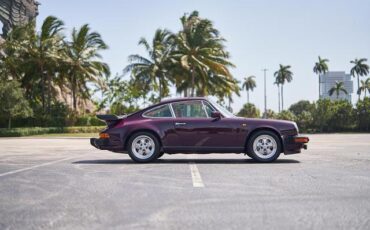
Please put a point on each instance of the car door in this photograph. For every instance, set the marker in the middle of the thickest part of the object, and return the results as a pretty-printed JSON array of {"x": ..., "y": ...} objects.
[{"x": 196, "y": 131}]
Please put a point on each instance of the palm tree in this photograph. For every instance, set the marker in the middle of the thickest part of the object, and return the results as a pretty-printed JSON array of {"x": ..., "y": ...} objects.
[
  {"x": 249, "y": 84},
  {"x": 43, "y": 52},
  {"x": 283, "y": 75},
  {"x": 365, "y": 86},
  {"x": 200, "y": 52},
  {"x": 360, "y": 68},
  {"x": 83, "y": 64},
  {"x": 13, "y": 51},
  {"x": 337, "y": 88},
  {"x": 152, "y": 71},
  {"x": 321, "y": 67}
]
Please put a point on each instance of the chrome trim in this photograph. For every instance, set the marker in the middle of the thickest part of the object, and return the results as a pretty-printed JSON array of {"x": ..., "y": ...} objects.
[
  {"x": 173, "y": 112},
  {"x": 204, "y": 108},
  {"x": 180, "y": 123}
]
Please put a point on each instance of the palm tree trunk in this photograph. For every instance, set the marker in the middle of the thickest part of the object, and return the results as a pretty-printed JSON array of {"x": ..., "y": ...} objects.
[
  {"x": 160, "y": 90},
  {"x": 248, "y": 96},
  {"x": 192, "y": 80},
  {"x": 319, "y": 86},
  {"x": 358, "y": 86},
  {"x": 9, "y": 122},
  {"x": 282, "y": 97},
  {"x": 49, "y": 92},
  {"x": 42, "y": 87},
  {"x": 278, "y": 87},
  {"x": 74, "y": 97}
]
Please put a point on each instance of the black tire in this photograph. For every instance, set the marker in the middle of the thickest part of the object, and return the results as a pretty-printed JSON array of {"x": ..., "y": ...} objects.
[
  {"x": 135, "y": 155},
  {"x": 160, "y": 155},
  {"x": 268, "y": 136}
]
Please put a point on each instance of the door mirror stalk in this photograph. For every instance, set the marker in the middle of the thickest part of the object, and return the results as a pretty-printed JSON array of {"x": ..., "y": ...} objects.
[{"x": 216, "y": 114}]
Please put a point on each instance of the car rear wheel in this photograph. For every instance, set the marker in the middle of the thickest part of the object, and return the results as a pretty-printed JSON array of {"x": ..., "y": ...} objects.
[
  {"x": 143, "y": 147},
  {"x": 264, "y": 146}
]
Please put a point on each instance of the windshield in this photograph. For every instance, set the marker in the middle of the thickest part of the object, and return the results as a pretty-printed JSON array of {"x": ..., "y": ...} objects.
[{"x": 220, "y": 108}]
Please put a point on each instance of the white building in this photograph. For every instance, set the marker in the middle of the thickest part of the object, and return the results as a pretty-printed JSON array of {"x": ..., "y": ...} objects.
[{"x": 328, "y": 80}]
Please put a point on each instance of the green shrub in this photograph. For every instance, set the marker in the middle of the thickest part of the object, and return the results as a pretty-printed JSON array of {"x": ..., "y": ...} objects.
[
  {"x": 303, "y": 111},
  {"x": 302, "y": 106},
  {"x": 89, "y": 120},
  {"x": 20, "y": 132},
  {"x": 270, "y": 114},
  {"x": 83, "y": 129},
  {"x": 286, "y": 115},
  {"x": 343, "y": 118},
  {"x": 363, "y": 115},
  {"x": 249, "y": 110}
]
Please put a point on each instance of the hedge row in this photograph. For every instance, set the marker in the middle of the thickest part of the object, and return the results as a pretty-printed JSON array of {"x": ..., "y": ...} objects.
[{"x": 20, "y": 132}]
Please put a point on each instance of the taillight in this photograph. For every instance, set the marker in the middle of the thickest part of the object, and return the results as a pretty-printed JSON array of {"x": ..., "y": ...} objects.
[
  {"x": 104, "y": 136},
  {"x": 301, "y": 140}
]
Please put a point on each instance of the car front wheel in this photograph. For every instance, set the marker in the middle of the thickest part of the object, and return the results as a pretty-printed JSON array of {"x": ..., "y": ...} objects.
[
  {"x": 143, "y": 147},
  {"x": 160, "y": 155},
  {"x": 264, "y": 146}
]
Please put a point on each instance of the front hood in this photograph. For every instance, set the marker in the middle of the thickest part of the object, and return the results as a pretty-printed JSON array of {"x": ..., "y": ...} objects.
[{"x": 270, "y": 121}]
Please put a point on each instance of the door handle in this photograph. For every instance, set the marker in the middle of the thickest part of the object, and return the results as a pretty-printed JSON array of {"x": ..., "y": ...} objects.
[{"x": 180, "y": 123}]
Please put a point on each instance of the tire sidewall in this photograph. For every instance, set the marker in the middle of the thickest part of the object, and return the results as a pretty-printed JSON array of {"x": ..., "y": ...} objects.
[
  {"x": 250, "y": 151},
  {"x": 156, "y": 149}
]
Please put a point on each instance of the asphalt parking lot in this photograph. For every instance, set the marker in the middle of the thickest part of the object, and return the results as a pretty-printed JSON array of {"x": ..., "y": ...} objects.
[{"x": 67, "y": 184}]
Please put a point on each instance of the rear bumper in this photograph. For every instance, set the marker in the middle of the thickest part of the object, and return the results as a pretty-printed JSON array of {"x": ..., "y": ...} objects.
[
  {"x": 106, "y": 144},
  {"x": 99, "y": 143},
  {"x": 294, "y": 144}
]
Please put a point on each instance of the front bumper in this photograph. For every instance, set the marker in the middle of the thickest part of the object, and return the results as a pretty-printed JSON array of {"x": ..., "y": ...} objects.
[{"x": 294, "y": 144}]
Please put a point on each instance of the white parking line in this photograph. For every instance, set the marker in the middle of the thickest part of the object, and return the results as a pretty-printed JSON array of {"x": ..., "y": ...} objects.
[
  {"x": 195, "y": 175},
  {"x": 36, "y": 166}
]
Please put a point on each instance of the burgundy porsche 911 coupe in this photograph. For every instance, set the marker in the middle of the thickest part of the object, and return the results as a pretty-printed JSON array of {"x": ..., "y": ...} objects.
[{"x": 196, "y": 125}]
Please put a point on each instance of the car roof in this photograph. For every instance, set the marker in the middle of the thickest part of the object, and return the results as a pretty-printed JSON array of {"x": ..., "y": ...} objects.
[{"x": 171, "y": 100}]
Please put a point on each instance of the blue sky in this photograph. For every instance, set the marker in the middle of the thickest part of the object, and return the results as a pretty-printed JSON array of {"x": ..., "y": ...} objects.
[{"x": 260, "y": 34}]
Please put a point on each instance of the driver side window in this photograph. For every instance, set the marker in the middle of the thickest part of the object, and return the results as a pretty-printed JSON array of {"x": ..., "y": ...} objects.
[{"x": 192, "y": 109}]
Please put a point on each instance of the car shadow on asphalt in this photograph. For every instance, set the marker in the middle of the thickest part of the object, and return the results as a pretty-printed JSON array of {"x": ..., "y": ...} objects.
[{"x": 186, "y": 161}]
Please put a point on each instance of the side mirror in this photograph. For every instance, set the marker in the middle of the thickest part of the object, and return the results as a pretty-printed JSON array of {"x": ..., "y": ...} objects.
[{"x": 216, "y": 114}]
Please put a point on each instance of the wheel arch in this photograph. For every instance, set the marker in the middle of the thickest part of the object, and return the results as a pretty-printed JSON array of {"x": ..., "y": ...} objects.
[
  {"x": 265, "y": 129},
  {"x": 141, "y": 130}
]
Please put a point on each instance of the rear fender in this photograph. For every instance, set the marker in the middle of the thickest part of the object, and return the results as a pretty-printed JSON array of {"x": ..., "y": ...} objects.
[{"x": 151, "y": 129}]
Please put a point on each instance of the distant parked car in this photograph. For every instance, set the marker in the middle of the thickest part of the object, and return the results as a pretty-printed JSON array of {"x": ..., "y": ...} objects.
[{"x": 196, "y": 125}]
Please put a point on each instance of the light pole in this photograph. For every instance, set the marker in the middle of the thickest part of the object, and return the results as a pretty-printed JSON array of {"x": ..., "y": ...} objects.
[{"x": 264, "y": 78}]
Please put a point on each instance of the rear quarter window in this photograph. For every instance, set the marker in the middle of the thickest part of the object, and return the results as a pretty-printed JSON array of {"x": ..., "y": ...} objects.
[{"x": 160, "y": 111}]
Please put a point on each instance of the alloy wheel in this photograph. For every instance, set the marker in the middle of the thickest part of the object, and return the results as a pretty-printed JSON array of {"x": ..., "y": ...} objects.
[
  {"x": 143, "y": 147},
  {"x": 264, "y": 146}
]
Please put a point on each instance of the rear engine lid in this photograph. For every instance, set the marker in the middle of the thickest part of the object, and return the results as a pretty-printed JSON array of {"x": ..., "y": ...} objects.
[{"x": 110, "y": 119}]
